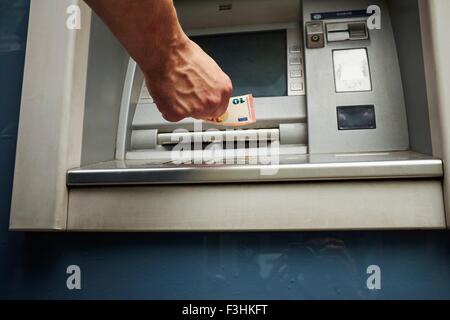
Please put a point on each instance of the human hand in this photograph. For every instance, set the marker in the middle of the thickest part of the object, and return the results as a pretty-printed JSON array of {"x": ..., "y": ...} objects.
[
  {"x": 191, "y": 84},
  {"x": 183, "y": 80}
]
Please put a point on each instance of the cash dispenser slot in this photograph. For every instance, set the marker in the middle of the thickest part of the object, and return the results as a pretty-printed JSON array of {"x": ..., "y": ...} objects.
[
  {"x": 285, "y": 134},
  {"x": 291, "y": 138},
  {"x": 219, "y": 136}
]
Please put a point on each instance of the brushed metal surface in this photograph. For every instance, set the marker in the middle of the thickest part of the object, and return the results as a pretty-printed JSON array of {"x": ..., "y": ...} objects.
[
  {"x": 307, "y": 206},
  {"x": 51, "y": 115},
  {"x": 289, "y": 168},
  {"x": 434, "y": 26},
  {"x": 387, "y": 94}
]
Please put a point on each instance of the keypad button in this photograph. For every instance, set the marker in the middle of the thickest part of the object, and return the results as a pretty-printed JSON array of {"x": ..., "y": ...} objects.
[
  {"x": 296, "y": 86},
  {"x": 295, "y": 60},
  {"x": 296, "y": 73},
  {"x": 294, "y": 49}
]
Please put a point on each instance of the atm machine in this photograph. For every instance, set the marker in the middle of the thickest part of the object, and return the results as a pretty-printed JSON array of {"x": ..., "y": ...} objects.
[{"x": 352, "y": 115}]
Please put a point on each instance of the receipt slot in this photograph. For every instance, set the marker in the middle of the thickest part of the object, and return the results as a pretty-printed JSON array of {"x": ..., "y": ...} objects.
[{"x": 352, "y": 129}]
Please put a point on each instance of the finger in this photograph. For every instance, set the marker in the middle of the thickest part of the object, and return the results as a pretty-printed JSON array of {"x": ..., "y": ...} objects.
[
  {"x": 223, "y": 107},
  {"x": 220, "y": 111},
  {"x": 172, "y": 117},
  {"x": 209, "y": 112}
]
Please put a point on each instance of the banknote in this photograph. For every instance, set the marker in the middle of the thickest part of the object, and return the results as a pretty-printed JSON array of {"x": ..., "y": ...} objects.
[{"x": 240, "y": 112}]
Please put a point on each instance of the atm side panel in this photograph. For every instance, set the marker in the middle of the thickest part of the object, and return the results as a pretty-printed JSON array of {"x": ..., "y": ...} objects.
[
  {"x": 435, "y": 27},
  {"x": 51, "y": 115}
]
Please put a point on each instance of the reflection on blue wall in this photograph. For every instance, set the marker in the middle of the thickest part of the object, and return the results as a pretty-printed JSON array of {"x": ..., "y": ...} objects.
[
  {"x": 199, "y": 266},
  {"x": 13, "y": 29}
]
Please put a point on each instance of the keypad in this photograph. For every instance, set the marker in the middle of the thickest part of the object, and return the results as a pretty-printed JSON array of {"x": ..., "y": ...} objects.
[{"x": 296, "y": 82}]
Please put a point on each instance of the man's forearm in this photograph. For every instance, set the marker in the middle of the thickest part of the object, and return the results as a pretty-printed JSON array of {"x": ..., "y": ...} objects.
[
  {"x": 183, "y": 80},
  {"x": 148, "y": 29}
]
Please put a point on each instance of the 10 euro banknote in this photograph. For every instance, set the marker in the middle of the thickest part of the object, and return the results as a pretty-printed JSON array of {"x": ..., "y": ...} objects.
[{"x": 240, "y": 112}]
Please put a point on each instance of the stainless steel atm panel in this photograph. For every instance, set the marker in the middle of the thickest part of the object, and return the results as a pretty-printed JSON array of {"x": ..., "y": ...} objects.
[
  {"x": 355, "y": 148},
  {"x": 354, "y": 88}
]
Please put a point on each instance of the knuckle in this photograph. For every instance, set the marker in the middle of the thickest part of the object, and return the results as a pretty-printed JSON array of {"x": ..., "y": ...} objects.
[
  {"x": 229, "y": 88},
  {"x": 226, "y": 93},
  {"x": 214, "y": 101}
]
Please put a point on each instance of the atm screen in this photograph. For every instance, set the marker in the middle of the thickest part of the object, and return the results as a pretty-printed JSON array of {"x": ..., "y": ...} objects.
[{"x": 256, "y": 62}]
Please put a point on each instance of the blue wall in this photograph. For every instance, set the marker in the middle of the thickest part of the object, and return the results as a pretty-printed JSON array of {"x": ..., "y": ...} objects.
[{"x": 198, "y": 266}]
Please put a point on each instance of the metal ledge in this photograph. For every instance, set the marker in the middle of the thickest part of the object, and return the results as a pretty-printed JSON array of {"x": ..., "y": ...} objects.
[{"x": 396, "y": 165}]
